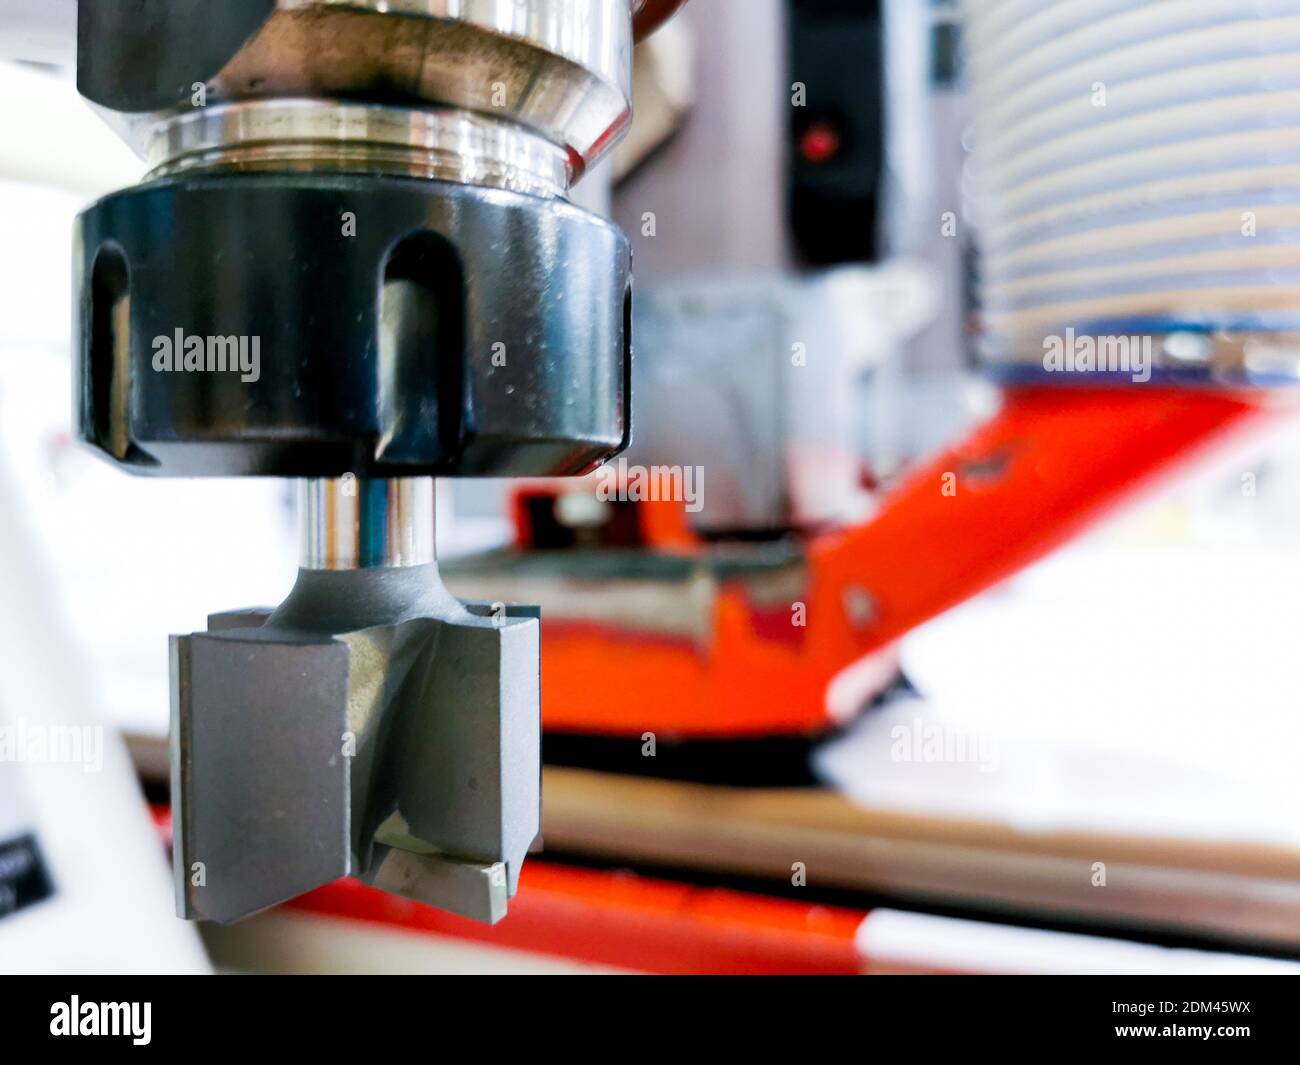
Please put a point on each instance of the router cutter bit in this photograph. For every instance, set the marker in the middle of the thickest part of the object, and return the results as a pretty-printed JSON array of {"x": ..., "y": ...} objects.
[
  {"x": 372, "y": 724},
  {"x": 370, "y": 195}
]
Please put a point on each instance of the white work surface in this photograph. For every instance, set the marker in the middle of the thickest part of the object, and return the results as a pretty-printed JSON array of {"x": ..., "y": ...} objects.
[{"x": 1143, "y": 680}]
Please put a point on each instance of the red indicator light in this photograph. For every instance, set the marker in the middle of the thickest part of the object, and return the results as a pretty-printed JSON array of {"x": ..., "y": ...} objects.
[{"x": 820, "y": 143}]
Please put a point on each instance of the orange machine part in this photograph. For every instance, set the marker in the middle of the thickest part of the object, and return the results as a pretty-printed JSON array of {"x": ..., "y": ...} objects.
[
  {"x": 1051, "y": 462},
  {"x": 619, "y": 919},
  {"x": 630, "y": 922}
]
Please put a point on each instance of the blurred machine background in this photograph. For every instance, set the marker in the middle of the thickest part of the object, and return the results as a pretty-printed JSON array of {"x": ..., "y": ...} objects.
[{"x": 819, "y": 715}]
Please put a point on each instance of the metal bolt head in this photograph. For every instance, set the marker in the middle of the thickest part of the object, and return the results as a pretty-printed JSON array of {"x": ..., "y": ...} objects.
[{"x": 859, "y": 606}]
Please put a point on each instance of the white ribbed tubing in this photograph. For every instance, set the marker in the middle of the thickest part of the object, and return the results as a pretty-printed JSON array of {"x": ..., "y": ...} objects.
[{"x": 1124, "y": 153}]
